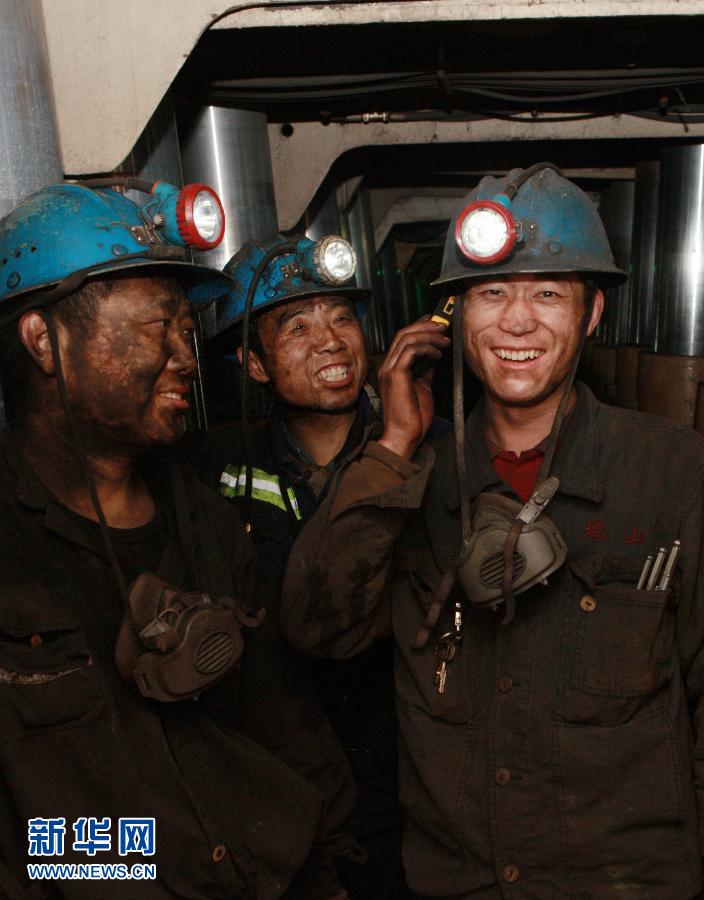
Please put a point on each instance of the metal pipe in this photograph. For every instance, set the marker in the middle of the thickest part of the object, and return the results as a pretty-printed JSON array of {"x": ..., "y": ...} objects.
[
  {"x": 29, "y": 143},
  {"x": 229, "y": 150},
  {"x": 28, "y": 137},
  {"x": 616, "y": 210},
  {"x": 323, "y": 216},
  {"x": 361, "y": 234},
  {"x": 156, "y": 155},
  {"x": 645, "y": 229},
  {"x": 389, "y": 287},
  {"x": 679, "y": 274}
]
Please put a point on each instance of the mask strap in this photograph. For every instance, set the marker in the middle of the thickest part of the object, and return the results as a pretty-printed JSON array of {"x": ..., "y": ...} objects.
[{"x": 458, "y": 421}]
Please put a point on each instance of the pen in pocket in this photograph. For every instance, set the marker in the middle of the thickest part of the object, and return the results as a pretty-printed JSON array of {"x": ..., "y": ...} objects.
[
  {"x": 653, "y": 576},
  {"x": 655, "y": 571},
  {"x": 669, "y": 567}
]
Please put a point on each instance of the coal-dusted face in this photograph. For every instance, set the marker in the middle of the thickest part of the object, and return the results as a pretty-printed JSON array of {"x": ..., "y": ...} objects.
[
  {"x": 129, "y": 373},
  {"x": 521, "y": 333},
  {"x": 313, "y": 353}
]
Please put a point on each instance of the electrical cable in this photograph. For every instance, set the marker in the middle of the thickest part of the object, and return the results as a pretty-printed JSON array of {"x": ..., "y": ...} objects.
[
  {"x": 587, "y": 85},
  {"x": 271, "y": 254}
]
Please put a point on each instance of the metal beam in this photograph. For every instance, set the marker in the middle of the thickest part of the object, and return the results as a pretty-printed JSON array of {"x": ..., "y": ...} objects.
[{"x": 302, "y": 160}]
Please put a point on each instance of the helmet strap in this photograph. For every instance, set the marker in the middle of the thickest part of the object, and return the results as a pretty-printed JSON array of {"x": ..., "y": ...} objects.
[
  {"x": 544, "y": 473},
  {"x": 450, "y": 575},
  {"x": 83, "y": 458},
  {"x": 185, "y": 533}
]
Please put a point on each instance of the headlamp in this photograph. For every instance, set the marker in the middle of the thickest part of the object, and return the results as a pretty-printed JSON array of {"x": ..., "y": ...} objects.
[
  {"x": 485, "y": 230},
  {"x": 192, "y": 217},
  {"x": 332, "y": 260},
  {"x": 200, "y": 217}
]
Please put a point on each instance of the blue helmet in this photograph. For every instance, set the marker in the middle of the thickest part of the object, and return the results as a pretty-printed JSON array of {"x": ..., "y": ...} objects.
[
  {"x": 304, "y": 268},
  {"x": 55, "y": 239},
  {"x": 530, "y": 221}
]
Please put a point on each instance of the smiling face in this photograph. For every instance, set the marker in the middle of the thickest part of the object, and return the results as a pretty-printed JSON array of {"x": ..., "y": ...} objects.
[
  {"x": 521, "y": 333},
  {"x": 129, "y": 372},
  {"x": 313, "y": 354}
]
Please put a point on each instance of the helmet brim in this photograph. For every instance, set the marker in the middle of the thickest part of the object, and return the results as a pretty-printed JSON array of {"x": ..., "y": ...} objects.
[
  {"x": 202, "y": 284},
  {"x": 604, "y": 279},
  {"x": 225, "y": 319}
]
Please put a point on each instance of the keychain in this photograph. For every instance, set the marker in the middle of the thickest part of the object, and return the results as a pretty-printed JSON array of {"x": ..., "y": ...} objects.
[{"x": 446, "y": 648}]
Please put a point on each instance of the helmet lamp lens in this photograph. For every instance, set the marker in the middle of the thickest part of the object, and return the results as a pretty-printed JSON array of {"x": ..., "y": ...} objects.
[
  {"x": 207, "y": 216},
  {"x": 485, "y": 232},
  {"x": 336, "y": 260}
]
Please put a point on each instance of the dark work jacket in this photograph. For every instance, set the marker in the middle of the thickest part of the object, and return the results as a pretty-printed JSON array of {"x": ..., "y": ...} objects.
[
  {"x": 232, "y": 821},
  {"x": 564, "y": 758},
  {"x": 357, "y": 695}
]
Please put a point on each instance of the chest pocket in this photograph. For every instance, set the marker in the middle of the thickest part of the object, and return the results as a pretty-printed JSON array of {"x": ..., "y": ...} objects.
[
  {"x": 47, "y": 678},
  {"x": 623, "y": 641}
]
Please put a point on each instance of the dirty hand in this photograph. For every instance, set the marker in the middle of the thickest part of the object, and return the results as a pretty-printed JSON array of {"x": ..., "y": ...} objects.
[{"x": 407, "y": 399}]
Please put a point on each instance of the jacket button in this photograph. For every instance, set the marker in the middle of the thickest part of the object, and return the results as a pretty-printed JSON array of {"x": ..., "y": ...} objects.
[
  {"x": 588, "y": 603},
  {"x": 505, "y": 684},
  {"x": 502, "y": 776},
  {"x": 511, "y": 873},
  {"x": 219, "y": 853}
]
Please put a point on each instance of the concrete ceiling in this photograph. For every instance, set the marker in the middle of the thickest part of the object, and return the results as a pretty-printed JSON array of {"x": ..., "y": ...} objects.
[{"x": 112, "y": 63}]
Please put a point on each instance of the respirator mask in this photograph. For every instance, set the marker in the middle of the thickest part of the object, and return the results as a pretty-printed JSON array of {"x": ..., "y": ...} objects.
[
  {"x": 174, "y": 644},
  {"x": 538, "y": 551}
]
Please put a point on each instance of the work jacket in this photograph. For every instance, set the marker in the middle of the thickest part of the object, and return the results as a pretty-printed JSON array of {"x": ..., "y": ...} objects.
[
  {"x": 357, "y": 695},
  {"x": 231, "y": 820},
  {"x": 564, "y": 758}
]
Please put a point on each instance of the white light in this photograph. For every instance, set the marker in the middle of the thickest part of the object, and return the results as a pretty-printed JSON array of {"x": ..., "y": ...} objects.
[
  {"x": 335, "y": 260},
  {"x": 207, "y": 217},
  {"x": 484, "y": 232}
]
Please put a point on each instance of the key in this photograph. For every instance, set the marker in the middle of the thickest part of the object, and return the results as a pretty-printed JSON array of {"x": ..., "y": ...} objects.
[
  {"x": 441, "y": 677},
  {"x": 444, "y": 651}
]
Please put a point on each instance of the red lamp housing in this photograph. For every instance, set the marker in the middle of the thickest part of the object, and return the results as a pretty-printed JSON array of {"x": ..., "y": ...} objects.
[
  {"x": 200, "y": 217},
  {"x": 485, "y": 232}
]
